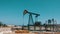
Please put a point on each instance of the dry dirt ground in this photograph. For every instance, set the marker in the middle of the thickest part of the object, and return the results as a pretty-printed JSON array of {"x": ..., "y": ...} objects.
[{"x": 36, "y": 33}]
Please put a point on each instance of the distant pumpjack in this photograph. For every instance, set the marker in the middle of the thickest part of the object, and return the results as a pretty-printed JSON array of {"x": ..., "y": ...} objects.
[{"x": 30, "y": 22}]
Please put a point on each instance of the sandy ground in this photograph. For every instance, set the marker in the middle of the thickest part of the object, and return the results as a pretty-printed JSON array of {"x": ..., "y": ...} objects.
[
  {"x": 35, "y": 33},
  {"x": 40, "y": 33}
]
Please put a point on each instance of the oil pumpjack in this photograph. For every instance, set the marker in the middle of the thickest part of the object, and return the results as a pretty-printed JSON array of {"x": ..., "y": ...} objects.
[{"x": 30, "y": 21}]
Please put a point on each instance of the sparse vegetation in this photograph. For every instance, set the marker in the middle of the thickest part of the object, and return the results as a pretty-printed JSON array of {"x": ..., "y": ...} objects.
[{"x": 3, "y": 25}]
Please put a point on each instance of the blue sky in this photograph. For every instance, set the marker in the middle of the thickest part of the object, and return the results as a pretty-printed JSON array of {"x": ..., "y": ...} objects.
[{"x": 11, "y": 11}]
